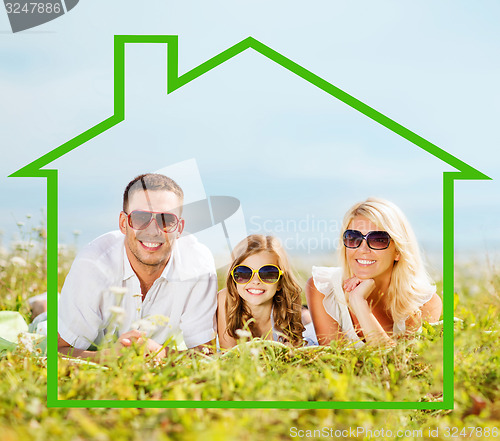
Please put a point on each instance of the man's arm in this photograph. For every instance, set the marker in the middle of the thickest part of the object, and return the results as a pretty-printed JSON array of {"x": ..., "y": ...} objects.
[
  {"x": 63, "y": 347},
  {"x": 80, "y": 306},
  {"x": 125, "y": 340}
]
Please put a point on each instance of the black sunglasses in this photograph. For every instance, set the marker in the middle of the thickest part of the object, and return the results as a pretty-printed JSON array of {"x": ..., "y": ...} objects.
[{"x": 376, "y": 240}]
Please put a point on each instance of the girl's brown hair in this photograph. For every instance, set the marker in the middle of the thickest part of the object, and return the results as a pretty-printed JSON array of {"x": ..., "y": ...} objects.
[{"x": 286, "y": 302}]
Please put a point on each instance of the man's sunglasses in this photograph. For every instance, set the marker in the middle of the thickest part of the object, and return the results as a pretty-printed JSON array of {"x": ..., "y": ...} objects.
[
  {"x": 268, "y": 274},
  {"x": 140, "y": 220},
  {"x": 376, "y": 240}
]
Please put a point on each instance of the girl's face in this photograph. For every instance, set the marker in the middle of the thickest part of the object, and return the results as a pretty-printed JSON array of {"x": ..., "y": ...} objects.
[
  {"x": 366, "y": 263},
  {"x": 255, "y": 292}
]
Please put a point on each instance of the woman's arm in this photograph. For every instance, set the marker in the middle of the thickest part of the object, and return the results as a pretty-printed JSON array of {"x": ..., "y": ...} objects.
[
  {"x": 327, "y": 329},
  {"x": 430, "y": 312},
  {"x": 358, "y": 292},
  {"x": 225, "y": 340}
]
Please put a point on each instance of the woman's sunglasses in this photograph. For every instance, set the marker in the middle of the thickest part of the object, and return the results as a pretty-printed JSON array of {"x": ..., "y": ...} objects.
[
  {"x": 140, "y": 220},
  {"x": 268, "y": 274},
  {"x": 376, "y": 240}
]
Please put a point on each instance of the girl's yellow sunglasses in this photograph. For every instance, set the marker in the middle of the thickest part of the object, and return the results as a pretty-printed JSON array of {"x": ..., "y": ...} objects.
[{"x": 268, "y": 274}]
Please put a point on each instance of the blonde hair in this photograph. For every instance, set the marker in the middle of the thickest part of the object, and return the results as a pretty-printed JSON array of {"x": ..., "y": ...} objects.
[
  {"x": 287, "y": 305},
  {"x": 410, "y": 285}
]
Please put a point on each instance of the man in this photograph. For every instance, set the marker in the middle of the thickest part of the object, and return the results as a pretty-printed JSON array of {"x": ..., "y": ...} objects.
[{"x": 141, "y": 278}]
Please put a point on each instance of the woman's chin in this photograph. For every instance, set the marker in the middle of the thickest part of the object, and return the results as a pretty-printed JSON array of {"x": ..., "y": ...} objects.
[{"x": 362, "y": 275}]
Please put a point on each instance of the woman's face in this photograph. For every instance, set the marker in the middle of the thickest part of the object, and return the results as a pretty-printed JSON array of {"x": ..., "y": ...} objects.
[
  {"x": 255, "y": 292},
  {"x": 366, "y": 263}
]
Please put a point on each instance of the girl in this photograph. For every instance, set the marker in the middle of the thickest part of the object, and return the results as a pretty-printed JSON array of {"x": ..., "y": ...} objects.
[
  {"x": 262, "y": 292},
  {"x": 381, "y": 289}
]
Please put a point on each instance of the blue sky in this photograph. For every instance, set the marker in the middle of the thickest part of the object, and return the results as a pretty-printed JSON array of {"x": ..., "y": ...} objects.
[{"x": 288, "y": 151}]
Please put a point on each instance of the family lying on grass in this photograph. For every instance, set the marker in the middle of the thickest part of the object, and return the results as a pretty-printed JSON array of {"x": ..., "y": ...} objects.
[{"x": 146, "y": 272}]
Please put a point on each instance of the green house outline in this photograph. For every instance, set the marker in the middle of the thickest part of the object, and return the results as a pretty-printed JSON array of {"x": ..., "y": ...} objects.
[{"x": 174, "y": 82}]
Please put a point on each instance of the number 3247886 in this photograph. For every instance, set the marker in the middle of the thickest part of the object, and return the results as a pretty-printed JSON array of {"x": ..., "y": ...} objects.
[
  {"x": 479, "y": 432},
  {"x": 33, "y": 8}
]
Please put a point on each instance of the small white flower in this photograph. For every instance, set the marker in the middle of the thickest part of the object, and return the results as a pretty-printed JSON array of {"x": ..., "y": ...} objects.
[
  {"x": 28, "y": 216},
  {"x": 76, "y": 232},
  {"x": 117, "y": 315},
  {"x": 27, "y": 340},
  {"x": 177, "y": 341},
  {"x": 144, "y": 325},
  {"x": 243, "y": 333},
  {"x": 118, "y": 290},
  {"x": 158, "y": 319},
  {"x": 18, "y": 261},
  {"x": 255, "y": 352},
  {"x": 20, "y": 224},
  {"x": 117, "y": 310}
]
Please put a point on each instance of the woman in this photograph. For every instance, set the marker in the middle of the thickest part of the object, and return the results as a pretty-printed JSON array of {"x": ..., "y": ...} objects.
[
  {"x": 381, "y": 289},
  {"x": 261, "y": 291}
]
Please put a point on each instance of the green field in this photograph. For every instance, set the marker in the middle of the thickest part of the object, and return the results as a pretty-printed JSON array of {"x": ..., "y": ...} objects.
[{"x": 412, "y": 371}]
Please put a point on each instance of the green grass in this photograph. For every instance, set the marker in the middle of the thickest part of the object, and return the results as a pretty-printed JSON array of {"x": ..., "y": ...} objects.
[{"x": 412, "y": 371}]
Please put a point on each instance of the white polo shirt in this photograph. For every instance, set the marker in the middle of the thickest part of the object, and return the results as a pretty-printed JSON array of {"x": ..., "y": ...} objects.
[{"x": 102, "y": 296}]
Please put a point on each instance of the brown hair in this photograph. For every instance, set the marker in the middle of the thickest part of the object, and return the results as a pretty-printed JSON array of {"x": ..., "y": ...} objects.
[
  {"x": 286, "y": 301},
  {"x": 151, "y": 182}
]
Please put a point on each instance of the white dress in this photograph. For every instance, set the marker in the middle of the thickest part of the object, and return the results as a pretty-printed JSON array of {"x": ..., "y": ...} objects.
[{"x": 328, "y": 281}]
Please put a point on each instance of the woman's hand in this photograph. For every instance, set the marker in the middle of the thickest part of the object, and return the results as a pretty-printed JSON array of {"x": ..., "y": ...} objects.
[
  {"x": 357, "y": 292},
  {"x": 358, "y": 289}
]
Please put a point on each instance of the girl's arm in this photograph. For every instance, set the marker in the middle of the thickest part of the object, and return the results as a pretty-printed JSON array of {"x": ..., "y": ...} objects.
[
  {"x": 225, "y": 340},
  {"x": 327, "y": 329},
  {"x": 357, "y": 294}
]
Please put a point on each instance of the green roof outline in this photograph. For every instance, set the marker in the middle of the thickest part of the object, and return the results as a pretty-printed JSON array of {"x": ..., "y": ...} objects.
[{"x": 174, "y": 82}]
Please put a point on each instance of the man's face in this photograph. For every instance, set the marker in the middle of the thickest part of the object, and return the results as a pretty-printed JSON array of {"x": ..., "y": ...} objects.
[{"x": 151, "y": 247}]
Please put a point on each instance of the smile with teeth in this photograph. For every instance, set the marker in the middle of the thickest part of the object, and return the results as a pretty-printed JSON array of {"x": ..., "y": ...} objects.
[
  {"x": 365, "y": 262},
  {"x": 151, "y": 245},
  {"x": 255, "y": 292}
]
